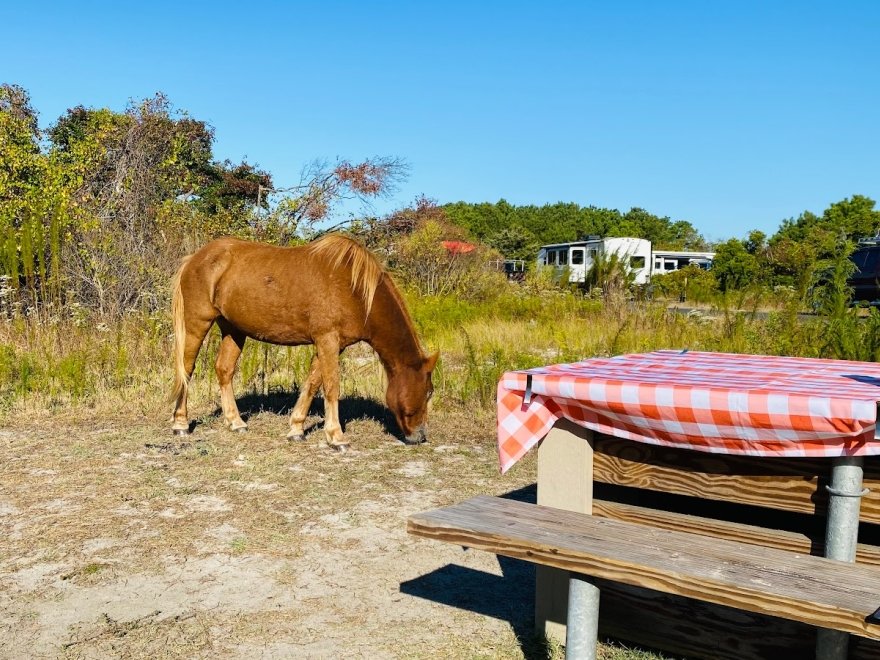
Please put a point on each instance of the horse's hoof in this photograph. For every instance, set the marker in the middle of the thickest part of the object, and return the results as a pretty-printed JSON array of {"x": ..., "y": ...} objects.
[
  {"x": 240, "y": 429},
  {"x": 180, "y": 432},
  {"x": 296, "y": 437},
  {"x": 342, "y": 447}
]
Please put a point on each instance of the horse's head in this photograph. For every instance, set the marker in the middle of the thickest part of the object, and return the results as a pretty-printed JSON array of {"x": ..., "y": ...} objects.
[{"x": 409, "y": 390}]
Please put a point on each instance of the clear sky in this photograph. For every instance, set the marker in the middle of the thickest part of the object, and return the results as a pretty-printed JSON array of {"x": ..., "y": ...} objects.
[{"x": 732, "y": 115}]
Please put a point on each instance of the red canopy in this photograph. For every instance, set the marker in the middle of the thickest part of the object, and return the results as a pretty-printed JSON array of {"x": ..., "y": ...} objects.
[{"x": 459, "y": 247}]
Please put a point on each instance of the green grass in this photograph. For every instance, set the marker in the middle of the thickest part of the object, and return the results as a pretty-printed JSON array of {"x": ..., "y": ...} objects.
[{"x": 125, "y": 364}]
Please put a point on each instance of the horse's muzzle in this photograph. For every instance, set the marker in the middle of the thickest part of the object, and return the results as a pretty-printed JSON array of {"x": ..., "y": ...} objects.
[{"x": 417, "y": 437}]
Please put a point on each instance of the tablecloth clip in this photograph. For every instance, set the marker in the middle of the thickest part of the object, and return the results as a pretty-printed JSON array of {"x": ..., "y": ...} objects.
[
  {"x": 875, "y": 617},
  {"x": 527, "y": 399},
  {"x": 683, "y": 351},
  {"x": 840, "y": 493}
]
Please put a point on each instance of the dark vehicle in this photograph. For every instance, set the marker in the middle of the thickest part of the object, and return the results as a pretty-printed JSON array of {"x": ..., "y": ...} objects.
[{"x": 865, "y": 282}]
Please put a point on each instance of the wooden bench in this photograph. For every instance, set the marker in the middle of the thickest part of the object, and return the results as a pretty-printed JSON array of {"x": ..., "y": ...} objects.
[{"x": 800, "y": 587}]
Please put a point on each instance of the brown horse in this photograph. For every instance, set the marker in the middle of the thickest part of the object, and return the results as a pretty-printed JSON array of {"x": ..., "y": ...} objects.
[{"x": 331, "y": 293}]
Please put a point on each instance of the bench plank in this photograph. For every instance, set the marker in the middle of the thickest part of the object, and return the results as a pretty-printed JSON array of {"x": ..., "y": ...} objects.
[
  {"x": 751, "y": 534},
  {"x": 813, "y": 590}
]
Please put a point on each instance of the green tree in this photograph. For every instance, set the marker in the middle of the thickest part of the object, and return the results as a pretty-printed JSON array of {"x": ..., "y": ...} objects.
[
  {"x": 29, "y": 198},
  {"x": 794, "y": 253},
  {"x": 734, "y": 267},
  {"x": 565, "y": 222},
  {"x": 756, "y": 242},
  {"x": 855, "y": 217},
  {"x": 514, "y": 242}
]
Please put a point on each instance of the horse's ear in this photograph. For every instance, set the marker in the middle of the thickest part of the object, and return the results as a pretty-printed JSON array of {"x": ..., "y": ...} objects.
[{"x": 431, "y": 361}]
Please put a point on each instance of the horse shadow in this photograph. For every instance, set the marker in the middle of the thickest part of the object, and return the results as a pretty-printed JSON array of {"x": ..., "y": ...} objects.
[
  {"x": 509, "y": 597},
  {"x": 281, "y": 402}
]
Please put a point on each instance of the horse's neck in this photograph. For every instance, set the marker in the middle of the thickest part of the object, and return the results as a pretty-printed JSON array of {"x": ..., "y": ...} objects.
[{"x": 392, "y": 334}]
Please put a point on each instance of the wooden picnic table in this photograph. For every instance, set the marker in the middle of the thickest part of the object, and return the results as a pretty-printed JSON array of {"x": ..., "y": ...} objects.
[{"x": 758, "y": 449}]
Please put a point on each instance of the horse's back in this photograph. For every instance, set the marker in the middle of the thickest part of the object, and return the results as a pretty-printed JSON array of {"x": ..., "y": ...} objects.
[{"x": 280, "y": 294}]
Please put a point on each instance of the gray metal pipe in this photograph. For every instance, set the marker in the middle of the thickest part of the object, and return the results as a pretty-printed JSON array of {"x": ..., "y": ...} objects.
[
  {"x": 582, "y": 628},
  {"x": 841, "y": 536}
]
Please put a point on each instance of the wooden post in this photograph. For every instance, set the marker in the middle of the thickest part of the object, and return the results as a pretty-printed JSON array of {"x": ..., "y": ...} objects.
[{"x": 565, "y": 481}]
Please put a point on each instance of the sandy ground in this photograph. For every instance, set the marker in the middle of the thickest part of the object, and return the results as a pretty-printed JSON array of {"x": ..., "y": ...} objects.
[{"x": 119, "y": 540}]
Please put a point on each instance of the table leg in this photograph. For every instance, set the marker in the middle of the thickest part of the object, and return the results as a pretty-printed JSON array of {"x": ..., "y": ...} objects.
[
  {"x": 841, "y": 535},
  {"x": 582, "y": 630},
  {"x": 565, "y": 481}
]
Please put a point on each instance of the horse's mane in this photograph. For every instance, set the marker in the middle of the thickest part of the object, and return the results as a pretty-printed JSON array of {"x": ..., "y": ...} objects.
[{"x": 366, "y": 271}]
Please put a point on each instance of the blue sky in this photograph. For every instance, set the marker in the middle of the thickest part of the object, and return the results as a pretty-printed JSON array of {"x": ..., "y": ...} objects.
[{"x": 732, "y": 115}]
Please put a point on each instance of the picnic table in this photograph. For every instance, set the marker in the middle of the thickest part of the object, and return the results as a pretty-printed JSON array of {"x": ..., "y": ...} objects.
[{"x": 742, "y": 410}]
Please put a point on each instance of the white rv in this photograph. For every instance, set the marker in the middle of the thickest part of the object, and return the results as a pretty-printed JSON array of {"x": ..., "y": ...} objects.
[
  {"x": 668, "y": 261},
  {"x": 579, "y": 256}
]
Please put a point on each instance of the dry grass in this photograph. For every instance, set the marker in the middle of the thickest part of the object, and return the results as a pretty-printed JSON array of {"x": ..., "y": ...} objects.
[{"x": 118, "y": 540}]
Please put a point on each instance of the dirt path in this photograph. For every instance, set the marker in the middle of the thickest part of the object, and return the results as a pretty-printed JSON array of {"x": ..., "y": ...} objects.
[{"x": 117, "y": 540}]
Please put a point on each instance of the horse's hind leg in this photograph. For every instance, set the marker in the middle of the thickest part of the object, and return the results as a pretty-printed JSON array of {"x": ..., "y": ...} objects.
[
  {"x": 304, "y": 402},
  {"x": 230, "y": 349},
  {"x": 195, "y": 335}
]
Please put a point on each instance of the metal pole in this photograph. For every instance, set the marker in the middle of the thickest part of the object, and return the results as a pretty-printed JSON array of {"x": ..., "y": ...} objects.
[
  {"x": 841, "y": 535},
  {"x": 582, "y": 628}
]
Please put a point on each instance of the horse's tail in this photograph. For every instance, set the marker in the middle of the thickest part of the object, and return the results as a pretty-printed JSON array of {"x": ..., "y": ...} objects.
[
  {"x": 366, "y": 271},
  {"x": 178, "y": 322}
]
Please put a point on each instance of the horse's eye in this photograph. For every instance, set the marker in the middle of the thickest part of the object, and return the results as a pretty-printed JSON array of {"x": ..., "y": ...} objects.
[{"x": 430, "y": 394}]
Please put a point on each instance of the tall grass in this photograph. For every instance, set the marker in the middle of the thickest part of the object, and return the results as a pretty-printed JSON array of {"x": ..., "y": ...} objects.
[{"x": 73, "y": 359}]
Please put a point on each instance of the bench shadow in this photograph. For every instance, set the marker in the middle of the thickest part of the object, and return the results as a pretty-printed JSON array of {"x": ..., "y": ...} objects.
[
  {"x": 509, "y": 597},
  {"x": 350, "y": 408}
]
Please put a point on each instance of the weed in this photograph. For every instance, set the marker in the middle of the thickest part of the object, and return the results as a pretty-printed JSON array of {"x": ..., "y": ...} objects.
[{"x": 127, "y": 367}]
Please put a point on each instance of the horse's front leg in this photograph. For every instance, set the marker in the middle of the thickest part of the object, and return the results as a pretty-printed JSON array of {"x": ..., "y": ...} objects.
[
  {"x": 304, "y": 401},
  {"x": 328, "y": 356},
  {"x": 230, "y": 349}
]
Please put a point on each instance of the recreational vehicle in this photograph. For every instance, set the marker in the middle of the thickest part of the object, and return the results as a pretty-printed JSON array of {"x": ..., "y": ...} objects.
[
  {"x": 580, "y": 256},
  {"x": 667, "y": 261}
]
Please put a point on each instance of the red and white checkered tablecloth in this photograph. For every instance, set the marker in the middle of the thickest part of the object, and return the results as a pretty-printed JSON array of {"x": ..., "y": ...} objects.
[{"x": 754, "y": 405}]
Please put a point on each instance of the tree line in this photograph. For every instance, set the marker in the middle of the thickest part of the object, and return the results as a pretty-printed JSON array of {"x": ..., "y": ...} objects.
[
  {"x": 518, "y": 231},
  {"x": 97, "y": 208},
  {"x": 792, "y": 256}
]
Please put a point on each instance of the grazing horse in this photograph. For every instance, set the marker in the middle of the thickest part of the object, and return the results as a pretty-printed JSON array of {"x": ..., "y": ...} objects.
[{"x": 331, "y": 293}]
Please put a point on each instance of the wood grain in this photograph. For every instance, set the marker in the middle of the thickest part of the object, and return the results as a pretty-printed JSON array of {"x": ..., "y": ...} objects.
[
  {"x": 723, "y": 529},
  {"x": 786, "y": 484},
  {"x": 813, "y": 590}
]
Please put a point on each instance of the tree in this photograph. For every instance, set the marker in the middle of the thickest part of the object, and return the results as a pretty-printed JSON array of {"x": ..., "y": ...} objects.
[
  {"x": 232, "y": 186},
  {"x": 385, "y": 235},
  {"x": 515, "y": 242},
  {"x": 855, "y": 216},
  {"x": 791, "y": 263},
  {"x": 25, "y": 198},
  {"x": 734, "y": 267},
  {"x": 756, "y": 242},
  {"x": 324, "y": 187},
  {"x": 794, "y": 253},
  {"x": 565, "y": 222}
]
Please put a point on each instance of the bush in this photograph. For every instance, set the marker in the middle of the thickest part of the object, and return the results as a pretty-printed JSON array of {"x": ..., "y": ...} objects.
[{"x": 426, "y": 265}]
